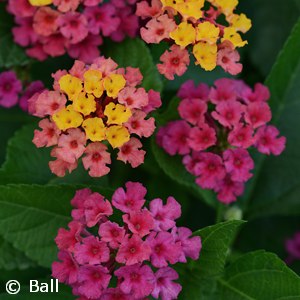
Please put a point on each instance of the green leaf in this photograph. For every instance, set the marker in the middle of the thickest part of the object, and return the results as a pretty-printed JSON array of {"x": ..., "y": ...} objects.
[
  {"x": 269, "y": 31},
  {"x": 31, "y": 215},
  {"x": 199, "y": 277},
  {"x": 276, "y": 186},
  {"x": 216, "y": 240},
  {"x": 24, "y": 162},
  {"x": 11, "y": 259},
  {"x": 11, "y": 54},
  {"x": 10, "y": 121},
  {"x": 254, "y": 276},
  {"x": 135, "y": 53},
  {"x": 172, "y": 165},
  {"x": 259, "y": 275}
]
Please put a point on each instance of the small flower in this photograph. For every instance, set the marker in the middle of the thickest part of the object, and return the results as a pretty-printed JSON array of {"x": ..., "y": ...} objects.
[
  {"x": 228, "y": 58},
  {"x": 174, "y": 62},
  {"x": 258, "y": 114},
  {"x": 45, "y": 21},
  {"x": 133, "y": 278},
  {"x": 131, "y": 200},
  {"x": 164, "y": 249},
  {"x": 228, "y": 113},
  {"x": 190, "y": 246},
  {"x": 10, "y": 87},
  {"x": 66, "y": 271},
  {"x": 130, "y": 152},
  {"x": 267, "y": 141},
  {"x": 91, "y": 251},
  {"x": 174, "y": 137},
  {"x": 158, "y": 29},
  {"x": 48, "y": 136},
  {"x": 96, "y": 159},
  {"x": 292, "y": 246},
  {"x": 202, "y": 138},
  {"x": 210, "y": 170},
  {"x": 241, "y": 136},
  {"x": 93, "y": 280},
  {"x": 133, "y": 250},
  {"x": 67, "y": 239},
  {"x": 139, "y": 222},
  {"x": 165, "y": 288},
  {"x": 165, "y": 215},
  {"x": 228, "y": 190},
  {"x": 96, "y": 209},
  {"x": 238, "y": 163},
  {"x": 193, "y": 110},
  {"x": 112, "y": 233}
]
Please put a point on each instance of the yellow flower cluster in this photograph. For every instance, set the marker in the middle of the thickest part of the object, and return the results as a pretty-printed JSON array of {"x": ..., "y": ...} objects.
[
  {"x": 81, "y": 112},
  {"x": 203, "y": 34}
]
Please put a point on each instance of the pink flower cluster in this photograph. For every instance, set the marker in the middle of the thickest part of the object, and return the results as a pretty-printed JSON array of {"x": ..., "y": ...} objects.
[
  {"x": 218, "y": 125},
  {"x": 292, "y": 247},
  {"x": 102, "y": 259},
  {"x": 12, "y": 93},
  {"x": 88, "y": 119},
  {"x": 76, "y": 27}
]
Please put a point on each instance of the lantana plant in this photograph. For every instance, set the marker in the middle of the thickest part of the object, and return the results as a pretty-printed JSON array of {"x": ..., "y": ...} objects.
[
  {"x": 91, "y": 108},
  {"x": 106, "y": 257},
  {"x": 210, "y": 28},
  {"x": 217, "y": 128}
]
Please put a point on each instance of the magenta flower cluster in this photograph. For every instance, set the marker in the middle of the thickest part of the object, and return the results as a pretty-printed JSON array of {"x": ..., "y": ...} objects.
[
  {"x": 217, "y": 128},
  {"x": 76, "y": 27},
  {"x": 102, "y": 259},
  {"x": 12, "y": 92}
]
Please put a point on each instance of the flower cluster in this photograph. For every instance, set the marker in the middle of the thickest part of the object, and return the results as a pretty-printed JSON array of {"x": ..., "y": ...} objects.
[
  {"x": 195, "y": 23},
  {"x": 77, "y": 27},
  {"x": 12, "y": 93},
  {"x": 218, "y": 125},
  {"x": 102, "y": 259},
  {"x": 292, "y": 247},
  {"x": 92, "y": 106}
]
